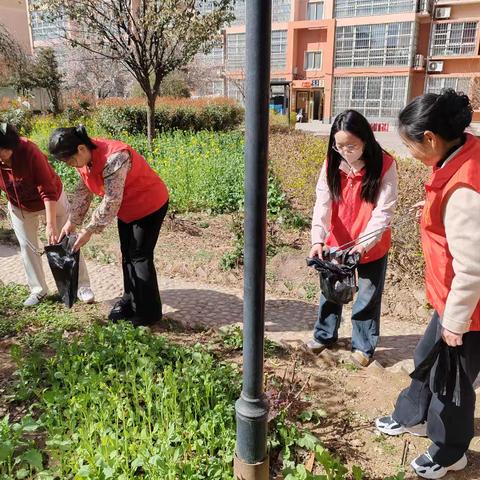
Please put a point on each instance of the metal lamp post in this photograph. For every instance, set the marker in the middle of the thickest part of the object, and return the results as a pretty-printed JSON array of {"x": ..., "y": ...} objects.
[{"x": 251, "y": 459}]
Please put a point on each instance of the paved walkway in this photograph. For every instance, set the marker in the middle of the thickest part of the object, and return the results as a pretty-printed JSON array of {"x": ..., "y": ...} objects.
[{"x": 195, "y": 303}]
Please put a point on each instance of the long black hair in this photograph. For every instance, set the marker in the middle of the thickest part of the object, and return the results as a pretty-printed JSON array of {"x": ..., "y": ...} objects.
[
  {"x": 9, "y": 137},
  {"x": 447, "y": 114},
  {"x": 64, "y": 142},
  {"x": 355, "y": 123}
]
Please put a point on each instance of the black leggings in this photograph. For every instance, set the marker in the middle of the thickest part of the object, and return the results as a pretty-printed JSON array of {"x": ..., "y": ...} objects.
[{"x": 137, "y": 243}]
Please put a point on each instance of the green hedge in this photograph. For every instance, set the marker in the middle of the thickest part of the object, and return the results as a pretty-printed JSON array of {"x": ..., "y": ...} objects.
[{"x": 133, "y": 119}]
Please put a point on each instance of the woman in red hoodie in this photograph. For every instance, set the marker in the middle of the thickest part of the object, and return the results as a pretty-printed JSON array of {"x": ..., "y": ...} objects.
[
  {"x": 131, "y": 191},
  {"x": 34, "y": 190}
]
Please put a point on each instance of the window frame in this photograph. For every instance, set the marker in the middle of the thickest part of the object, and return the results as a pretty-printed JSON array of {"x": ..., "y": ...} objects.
[
  {"x": 316, "y": 3},
  {"x": 306, "y": 60}
]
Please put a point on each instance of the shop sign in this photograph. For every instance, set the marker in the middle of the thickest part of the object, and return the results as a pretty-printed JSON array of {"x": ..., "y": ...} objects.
[{"x": 317, "y": 83}]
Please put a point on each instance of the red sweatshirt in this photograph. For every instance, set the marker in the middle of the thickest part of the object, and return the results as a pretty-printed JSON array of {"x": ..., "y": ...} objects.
[{"x": 31, "y": 180}]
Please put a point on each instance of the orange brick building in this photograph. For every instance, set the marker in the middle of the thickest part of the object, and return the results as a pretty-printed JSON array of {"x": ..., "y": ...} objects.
[{"x": 371, "y": 55}]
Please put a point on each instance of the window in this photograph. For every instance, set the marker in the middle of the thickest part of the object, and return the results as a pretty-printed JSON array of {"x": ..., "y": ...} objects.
[
  {"x": 213, "y": 88},
  {"x": 313, "y": 60},
  {"x": 236, "y": 51},
  {"x": 363, "y": 8},
  {"x": 315, "y": 11},
  {"x": 279, "y": 49},
  {"x": 215, "y": 56},
  {"x": 454, "y": 38},
  {"x": 374, "y": 45},
  {"x": 43, "y": 29},
  {"x": 437, "y": 84},
  {"x": 281, "y": 10},
  {"x": 205, "y": 6},
  {"x": 239, "y": 12},
  {"x": 374, "y": 97}
]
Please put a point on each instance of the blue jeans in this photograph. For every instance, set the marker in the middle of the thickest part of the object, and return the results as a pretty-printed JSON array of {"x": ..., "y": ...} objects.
[{"x": 365, "y": 311}]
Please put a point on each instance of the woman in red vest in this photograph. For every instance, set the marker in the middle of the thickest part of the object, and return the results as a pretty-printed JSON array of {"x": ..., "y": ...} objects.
[
  {"x": 34, "y": 191},
  {"x": 356, "y": 196},
  {"x": 433, "y": 128},
  {"x": 131, "y": 191}
]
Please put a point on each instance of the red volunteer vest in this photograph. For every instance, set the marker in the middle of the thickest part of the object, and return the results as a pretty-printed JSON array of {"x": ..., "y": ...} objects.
[
  {"x": 144, "y": 192},
  {"x": 462, "y": 171},
  {"x": 350, "y": 215}
]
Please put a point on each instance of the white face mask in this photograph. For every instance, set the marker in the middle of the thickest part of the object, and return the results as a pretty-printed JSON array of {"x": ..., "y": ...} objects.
[{"x": 352, "y": 157}]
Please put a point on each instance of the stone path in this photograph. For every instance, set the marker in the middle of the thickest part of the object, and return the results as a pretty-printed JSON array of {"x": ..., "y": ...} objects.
[{"x": 195, "y": 303}]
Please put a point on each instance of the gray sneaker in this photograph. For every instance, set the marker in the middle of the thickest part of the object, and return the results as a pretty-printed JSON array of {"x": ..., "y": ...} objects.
[
  {"x": 389, "y": 426},
  {"x": 33, "y": 299},
  {"x": 315, "y": 347}
]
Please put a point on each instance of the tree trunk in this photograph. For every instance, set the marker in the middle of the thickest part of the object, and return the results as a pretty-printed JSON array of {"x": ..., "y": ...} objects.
[{"x": 151, "y": 118}]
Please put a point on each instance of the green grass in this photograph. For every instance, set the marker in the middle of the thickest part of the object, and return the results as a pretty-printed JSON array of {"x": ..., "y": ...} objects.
[
  {"x": 120, "y": 403},
  {"x": 48, "y": 317},
  {"x": 204, "y": 171}
]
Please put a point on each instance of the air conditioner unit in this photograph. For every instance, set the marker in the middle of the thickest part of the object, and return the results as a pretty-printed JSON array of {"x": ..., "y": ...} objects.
[
  {"x": 442, "y": 13},
  {"x": 419, "y": 63},
  {"x": 435, "y": 66}
]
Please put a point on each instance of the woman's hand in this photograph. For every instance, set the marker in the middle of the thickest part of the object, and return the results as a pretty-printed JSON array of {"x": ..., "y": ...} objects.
[
  {"x": 452, "y": 339},
  {"x": 316, "y": 250},
  {"x": 418, "y": 209},
  {"x": 83, "y": 238},
  {"x": 360, "y": 249},
  {"x": 67, "y": 229},
  {"x": 51, "y": 233}
]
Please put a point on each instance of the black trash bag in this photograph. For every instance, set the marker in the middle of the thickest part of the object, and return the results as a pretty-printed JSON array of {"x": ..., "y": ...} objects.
[
  {"x": 338, "y": 280},
  {"x": 448, "y": 370},
  {"x": 64, "y": 266}
]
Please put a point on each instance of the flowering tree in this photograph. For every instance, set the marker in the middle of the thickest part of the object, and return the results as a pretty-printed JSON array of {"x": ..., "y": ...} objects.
[
  {"x": 15, "y": 65},
  {"x": 150, "y": 38},
  {"x": 475, "y": 93}
]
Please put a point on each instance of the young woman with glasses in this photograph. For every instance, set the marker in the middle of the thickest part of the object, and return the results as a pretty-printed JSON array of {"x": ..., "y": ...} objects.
[{"x": 356, "y": 196}]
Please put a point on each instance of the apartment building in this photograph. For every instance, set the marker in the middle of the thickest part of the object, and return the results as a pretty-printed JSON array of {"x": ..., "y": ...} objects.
[
  {"x": 329, "y": 55},
  {"x": 27, "y": 25},
  {"x": 371, "y": 55}
]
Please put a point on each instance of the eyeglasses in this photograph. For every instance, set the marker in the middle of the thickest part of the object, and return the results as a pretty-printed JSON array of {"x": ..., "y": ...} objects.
[{"x": 346, "y": 148}]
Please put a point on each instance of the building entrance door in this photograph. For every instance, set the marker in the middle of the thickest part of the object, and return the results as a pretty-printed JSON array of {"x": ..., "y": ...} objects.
[
  {"x": 302, "y": 105},
  {"x": 310, "y": 104}
]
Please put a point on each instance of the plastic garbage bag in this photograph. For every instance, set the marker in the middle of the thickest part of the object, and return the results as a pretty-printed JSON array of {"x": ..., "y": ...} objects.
[
  {"x": 443, "y": 368},
  {"x": 64, "y": 266},
  {"x": 338, "y": 280}
]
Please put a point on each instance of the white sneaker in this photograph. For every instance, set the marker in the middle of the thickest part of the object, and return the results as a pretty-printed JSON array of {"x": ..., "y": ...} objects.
[
  {"x": 33, "y": 299},
  {"x": 425, "y": 467},
  {"x": 389, "y": 426},
  {"x": 315, "y": 347},
  {"x": 85, "y": 295}
]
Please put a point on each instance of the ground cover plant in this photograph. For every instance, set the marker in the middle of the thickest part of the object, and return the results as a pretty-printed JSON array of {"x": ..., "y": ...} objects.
[
  {"x": 114, "y": 402},
  {"x": 49, "y": 316}
]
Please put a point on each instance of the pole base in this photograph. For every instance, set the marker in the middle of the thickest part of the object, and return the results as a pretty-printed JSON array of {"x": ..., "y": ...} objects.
[{"x": 249, "y": 471}]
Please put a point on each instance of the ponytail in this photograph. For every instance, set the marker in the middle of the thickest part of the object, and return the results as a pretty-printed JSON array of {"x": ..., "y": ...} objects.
[{"x": 64, "y": 142}]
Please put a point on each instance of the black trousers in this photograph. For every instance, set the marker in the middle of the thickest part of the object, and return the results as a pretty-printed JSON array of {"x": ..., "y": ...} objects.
[
  {"x": 137, "y": 243},
  {"x": 449, "y": 427}
]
